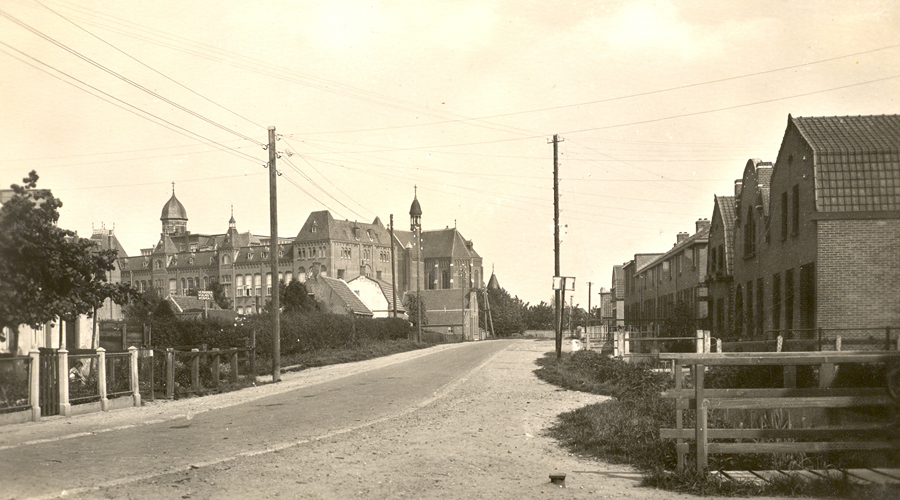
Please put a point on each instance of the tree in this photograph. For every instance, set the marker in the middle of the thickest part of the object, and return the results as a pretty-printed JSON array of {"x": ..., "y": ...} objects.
[
  {"x": 507, "y": 312},
  {"x": 294, "y": 298},
  {"x": 539, "y": 317},
  {"x": 415, "y": 309},
  {"x": 219, "y": 296},
  {"x": 47, "y": 272}
]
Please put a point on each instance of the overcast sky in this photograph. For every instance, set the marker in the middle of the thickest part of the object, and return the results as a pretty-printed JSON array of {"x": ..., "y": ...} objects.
[{"x": 659, "y": 105}]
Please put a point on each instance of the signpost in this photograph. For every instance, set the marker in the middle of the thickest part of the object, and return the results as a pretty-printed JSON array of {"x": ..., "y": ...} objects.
[
  {"x": 205, "y": 296},
  {"x": 560, "y": 285}
]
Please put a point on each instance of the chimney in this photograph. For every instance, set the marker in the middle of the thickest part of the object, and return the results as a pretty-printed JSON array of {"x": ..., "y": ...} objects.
[
  {"x": 738, "y": 185},
  {"x": 681, "y": 237},
  {"x": 702, "y": 224}
]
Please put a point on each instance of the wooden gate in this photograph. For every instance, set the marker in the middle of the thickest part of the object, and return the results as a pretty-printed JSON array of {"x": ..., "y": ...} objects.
[{"x": 49, "y": 381}]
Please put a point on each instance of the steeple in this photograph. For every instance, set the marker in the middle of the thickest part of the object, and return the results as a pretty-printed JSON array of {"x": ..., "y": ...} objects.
[
  {"x": 232, "y": 224},
  {"x": 415, "y": 212}
]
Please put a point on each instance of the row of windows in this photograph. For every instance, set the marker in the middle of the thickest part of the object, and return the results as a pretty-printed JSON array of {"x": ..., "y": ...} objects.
[
  {"x": 791, "y": 300},
  {"x": 789, "y": 218}
]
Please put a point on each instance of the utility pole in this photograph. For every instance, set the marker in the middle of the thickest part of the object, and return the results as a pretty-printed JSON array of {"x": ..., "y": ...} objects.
[
  {"x": 418, "y": 234},
  {"x": 393, "y": 280},
  {"x": 273, "y": 245},
  {"x": 587, "y": 319},
  {"x": 558, "y": 294}
]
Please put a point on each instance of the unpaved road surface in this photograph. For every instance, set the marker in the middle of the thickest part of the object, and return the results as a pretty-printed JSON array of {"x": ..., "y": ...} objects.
[{"x": 456, "y": 421}]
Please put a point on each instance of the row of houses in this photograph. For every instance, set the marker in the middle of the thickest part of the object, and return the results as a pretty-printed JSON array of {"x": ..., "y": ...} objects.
[{"x": 805, "y": 244}]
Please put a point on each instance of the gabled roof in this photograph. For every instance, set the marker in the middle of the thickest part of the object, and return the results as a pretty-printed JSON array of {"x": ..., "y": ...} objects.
[
  {"x": 165, "y": 245},
  {"x": 443, "y": 243},
  {"x": 322, "y": 226},
  {"x": 107, "y": 240},
  {"x": 700, "y": 236},
  {"x": 350, "y": 299},
  {"x": 857, "y": 161},
  {"x": 724, "y": 206},
  {"x": 389, "y": 292}
]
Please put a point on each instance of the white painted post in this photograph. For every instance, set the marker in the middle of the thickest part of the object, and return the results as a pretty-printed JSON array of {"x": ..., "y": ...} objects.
[
  {"x": 34, "y": 379},
  {"x": 626, "y": 343},
  {"x": 699, "y": 348},
  {"x": 706, "y": 341},
  {"x": 65, "y": 409},
  {"x": 617, "y": 343},
  {"x": 780, "y": 344},
  {"x": 837, "y": 343},
  {"x": 718, "y": 345},
  {"x": 101, "y": 378},
  {"x": 135, "y": 387}
]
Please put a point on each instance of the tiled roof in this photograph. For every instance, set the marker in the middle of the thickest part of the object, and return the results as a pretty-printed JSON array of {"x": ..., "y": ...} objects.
[
  {"x": 725, "y": 205},
  {"x": 173, "y": 209},
  {"x": 388, "y": 291},
  {"x": 764, "y": 174},
  {"x": 493, "y": 283},
  {"x": 343, "y": 291},
  {"x": 857, "y": 161}
]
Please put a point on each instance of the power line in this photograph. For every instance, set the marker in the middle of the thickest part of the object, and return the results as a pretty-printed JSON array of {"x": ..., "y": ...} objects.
[
  {"x": 123, "y": 78},
  {"x": 137, "y": 111},
  {"x": 149, "y": 67}
]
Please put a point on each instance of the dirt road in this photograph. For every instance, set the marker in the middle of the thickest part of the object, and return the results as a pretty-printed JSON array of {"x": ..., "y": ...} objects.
[{"x": 479, "y": 436}]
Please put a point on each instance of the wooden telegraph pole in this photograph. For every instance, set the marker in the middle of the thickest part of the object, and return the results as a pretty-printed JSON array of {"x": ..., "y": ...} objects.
[
  {"x": 393, "y": 279},
  {"x": 276, "y": 289},
  {"x": 557, "y": 293}
]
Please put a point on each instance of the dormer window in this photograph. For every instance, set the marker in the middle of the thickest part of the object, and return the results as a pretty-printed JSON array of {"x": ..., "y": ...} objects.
[
  {"x": 356, "y": 233},
  {"x": 249, "y": 255},
  {"x": 369, "y": 233},
  {"x": 315, "y": 227},
  {"x": 265, "y": 255}
]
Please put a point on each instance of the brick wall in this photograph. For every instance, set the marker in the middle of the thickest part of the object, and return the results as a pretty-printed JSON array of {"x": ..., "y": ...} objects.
[{"x": 858, "y": 273}]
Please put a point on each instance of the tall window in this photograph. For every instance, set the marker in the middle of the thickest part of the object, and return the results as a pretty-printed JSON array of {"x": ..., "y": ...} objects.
[
  {"x": 750, "y": 235},
  {"x": 239, "y": 286},
  {"x": 268, "y": 283},
  {"x": 257, "y": 284},
  {"x": 173, "y": 286},
  {"x": 784, "y": 215},
  {"x": 776, "y": 301},
  {"x": 751, "y": 327},
  {"x": 789, "y": 299},
  {"x": 759, "y": 307},
  {"x": 795, "y": 209}
]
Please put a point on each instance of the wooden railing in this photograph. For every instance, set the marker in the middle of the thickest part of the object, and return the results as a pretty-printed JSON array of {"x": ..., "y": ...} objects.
[
  {"x": 823, "y": 439},
  {"x": 212, "y": 357}
]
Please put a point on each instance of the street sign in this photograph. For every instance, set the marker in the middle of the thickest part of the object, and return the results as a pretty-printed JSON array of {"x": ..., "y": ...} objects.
[{"x": 205, "y": 295}]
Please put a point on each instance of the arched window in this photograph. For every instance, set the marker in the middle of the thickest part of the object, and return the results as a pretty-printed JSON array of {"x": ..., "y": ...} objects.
[
  {"x": 288, "y": 277},
  {"x": 301, "y": 274},
  {"x": 158, "y": 264}
]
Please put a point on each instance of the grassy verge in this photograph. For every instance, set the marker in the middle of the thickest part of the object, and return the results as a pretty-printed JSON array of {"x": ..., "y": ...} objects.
[{"x": 625, "y": 429}]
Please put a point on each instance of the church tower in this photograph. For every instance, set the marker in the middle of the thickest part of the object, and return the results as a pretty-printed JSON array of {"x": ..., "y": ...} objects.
[
  {"x": 415, "y": 213},
  {"x": 174, "y": 216}
]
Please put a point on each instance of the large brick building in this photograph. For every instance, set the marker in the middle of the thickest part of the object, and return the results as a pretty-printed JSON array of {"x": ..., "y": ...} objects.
[
  {"x": 427, "y": 261},
  {"x": 817, "y": 235}
]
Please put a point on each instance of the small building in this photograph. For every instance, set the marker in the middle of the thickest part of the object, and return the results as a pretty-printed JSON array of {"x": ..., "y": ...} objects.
[{"x": 378, "y": 296}]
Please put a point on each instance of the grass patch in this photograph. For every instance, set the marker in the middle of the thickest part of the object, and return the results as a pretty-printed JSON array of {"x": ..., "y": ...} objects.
[
  {"x": 625, "y": 429},
  {"x": 366, "y": 349}
]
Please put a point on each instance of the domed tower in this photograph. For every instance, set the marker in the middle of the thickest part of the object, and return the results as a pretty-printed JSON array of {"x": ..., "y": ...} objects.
[
  {"x": 415, "y": 213},
  {"x": 174, "y": 216}
]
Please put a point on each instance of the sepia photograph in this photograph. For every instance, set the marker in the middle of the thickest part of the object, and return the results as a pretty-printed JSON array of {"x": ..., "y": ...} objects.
[{"x": 669, "y": 266}]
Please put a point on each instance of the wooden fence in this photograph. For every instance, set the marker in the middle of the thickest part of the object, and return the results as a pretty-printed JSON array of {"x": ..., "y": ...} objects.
[
  {"x": 93, "y": 380},
  {"x": 811, "y": 440}
]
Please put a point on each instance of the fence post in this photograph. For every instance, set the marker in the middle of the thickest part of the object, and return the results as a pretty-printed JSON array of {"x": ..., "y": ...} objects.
[
  {"x": 253, "y": 354},
  {"x": 170, "y": 373},
  {"x": 101, "y": 378},
  {"x": 195, "y": 370},
  {"x": 779, "y": 344},
  {"x": 234, "y": 365},
  {"x": 826, "y": 375},
  {"x": 616, "y": 342},
  {"x": 887, "y": 338},
  {"x": 699, "y": 348},
  {"x": 133, "y": 378},
  {"x": 706, "y": 341},
  {"x": 821, "y": 333},
  {"x": 702, "y": 409},
  {"x": 837, "y": 343},
  {"x": 679, "y": 412},
  {"x": 65, "y": 408},
  {"x": 34, "y": 384},
  {"x": 626, "y": 343},
  {"x": 718, "y": 345},
  {"x": 215, "y": 366}
]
